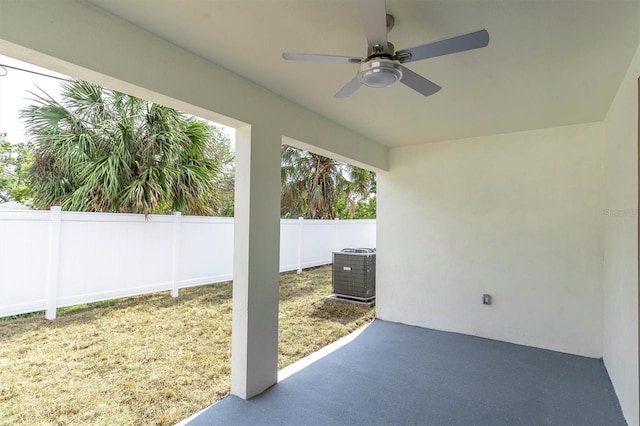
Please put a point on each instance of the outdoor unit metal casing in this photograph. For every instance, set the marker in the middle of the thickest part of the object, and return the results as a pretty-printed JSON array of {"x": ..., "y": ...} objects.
[{"x": 354, "y": 274}]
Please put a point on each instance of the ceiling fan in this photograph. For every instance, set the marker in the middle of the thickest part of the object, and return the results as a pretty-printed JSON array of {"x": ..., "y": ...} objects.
[{"x": 383, "y": 65}]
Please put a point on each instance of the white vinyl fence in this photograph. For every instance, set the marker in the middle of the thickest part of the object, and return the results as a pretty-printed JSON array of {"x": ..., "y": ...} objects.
[{"x": 50, "y": 259}]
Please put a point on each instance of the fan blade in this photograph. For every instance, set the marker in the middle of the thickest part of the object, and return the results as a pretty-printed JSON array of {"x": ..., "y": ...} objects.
[
  {"x": 321, "y": 58},
  {"x": 418, "y": 82},
  {"x": 447, "y": 46},
  {"x": 374, "y": 18},
  {"x": 348, "y": 89}
]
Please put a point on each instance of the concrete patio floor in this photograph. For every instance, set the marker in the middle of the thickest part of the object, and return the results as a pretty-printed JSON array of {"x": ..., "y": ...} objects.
[{"x": 398, "y": 374}]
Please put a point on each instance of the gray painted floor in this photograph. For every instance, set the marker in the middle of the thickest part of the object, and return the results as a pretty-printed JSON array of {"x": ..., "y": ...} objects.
[{"x": 394, "y": 374}]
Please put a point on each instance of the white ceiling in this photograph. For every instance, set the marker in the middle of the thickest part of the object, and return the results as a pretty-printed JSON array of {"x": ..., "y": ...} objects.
[{"x": 548, "y": 63}]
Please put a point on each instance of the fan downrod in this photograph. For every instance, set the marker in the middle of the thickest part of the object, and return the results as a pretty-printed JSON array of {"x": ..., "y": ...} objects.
[{"x": 377, "y": 51}]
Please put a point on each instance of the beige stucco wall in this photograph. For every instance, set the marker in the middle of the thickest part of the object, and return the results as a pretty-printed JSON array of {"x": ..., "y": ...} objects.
[
  {"x": 620, "y": 273},
  {"x": 518, "y": 216}
]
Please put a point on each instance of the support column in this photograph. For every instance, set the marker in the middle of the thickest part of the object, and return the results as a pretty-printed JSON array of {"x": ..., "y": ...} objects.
[{"x": 254, "y": 347}]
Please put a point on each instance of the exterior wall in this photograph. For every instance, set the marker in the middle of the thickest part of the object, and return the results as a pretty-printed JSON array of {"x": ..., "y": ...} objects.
[
  {"x": 620, "y": 244},
  {"x": 518, "y": 216}
]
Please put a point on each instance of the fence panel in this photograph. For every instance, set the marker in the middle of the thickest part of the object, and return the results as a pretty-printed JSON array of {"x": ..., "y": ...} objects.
[
  {"x": 318, "y": 242},
  {"x": 105, "y": 256},
  {"x": 51, "y": 259},
  {"x": 355, "y": 233},
  {"x": 24, "y": 245},
  {"x": 290, "y": 234},
  {"x": 206, "y": 250}
]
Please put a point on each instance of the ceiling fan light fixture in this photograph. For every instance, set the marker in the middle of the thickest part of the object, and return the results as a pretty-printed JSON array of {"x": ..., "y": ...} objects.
[{"x": 380, "y": 72}]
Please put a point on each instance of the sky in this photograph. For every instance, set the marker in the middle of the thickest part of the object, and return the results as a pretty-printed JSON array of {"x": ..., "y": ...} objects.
[
  {"x": 15, "y": 88},
  {"x": 14, "y": 94}
]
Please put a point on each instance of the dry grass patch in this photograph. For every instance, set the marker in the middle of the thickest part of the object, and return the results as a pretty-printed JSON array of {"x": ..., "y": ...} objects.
[
  {"x": 150, "y": 359},
  {"x": 308, "y": 321}
]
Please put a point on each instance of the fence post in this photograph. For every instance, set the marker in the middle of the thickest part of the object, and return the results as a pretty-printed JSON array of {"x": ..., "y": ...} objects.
[
  {"x": 54, "y": 263},
  {"x": 175, "y": 267},
  {"x": 300, "y": 238},
  {"x": 336, "y": 233}
]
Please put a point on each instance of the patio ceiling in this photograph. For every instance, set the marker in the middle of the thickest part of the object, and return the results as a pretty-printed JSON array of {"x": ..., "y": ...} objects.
[{"x": 547, "y": 64}]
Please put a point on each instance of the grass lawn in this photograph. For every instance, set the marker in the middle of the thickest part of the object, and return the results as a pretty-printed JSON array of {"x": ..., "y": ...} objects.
[{"x": 150, "y": 359}]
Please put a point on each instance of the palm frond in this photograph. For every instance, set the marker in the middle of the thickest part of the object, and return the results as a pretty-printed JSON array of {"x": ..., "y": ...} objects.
[{"x": 103, "y": 150}]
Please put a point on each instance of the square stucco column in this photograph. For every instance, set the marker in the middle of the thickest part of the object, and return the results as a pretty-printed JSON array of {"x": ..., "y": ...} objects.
[{"x": 254, "y": 347}]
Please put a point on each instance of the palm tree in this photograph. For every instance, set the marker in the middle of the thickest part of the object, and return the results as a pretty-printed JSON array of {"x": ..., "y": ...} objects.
[
  {"x": 104, "y": 151},
  {"x": 314, "y": 185}
]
